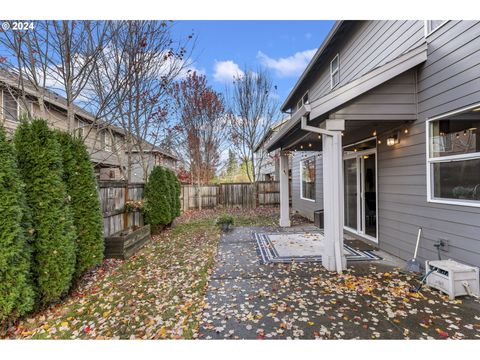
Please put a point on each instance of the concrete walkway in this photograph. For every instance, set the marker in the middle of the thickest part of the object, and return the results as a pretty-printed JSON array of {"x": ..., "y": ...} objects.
[{"x": 247, "y": 300}]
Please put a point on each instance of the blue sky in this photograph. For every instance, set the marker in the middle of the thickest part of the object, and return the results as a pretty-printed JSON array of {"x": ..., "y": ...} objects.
[{"x": 224, "y": 47}]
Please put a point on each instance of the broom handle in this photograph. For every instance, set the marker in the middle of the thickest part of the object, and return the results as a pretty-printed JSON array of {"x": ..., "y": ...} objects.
[{"x": 418, "y": 241}]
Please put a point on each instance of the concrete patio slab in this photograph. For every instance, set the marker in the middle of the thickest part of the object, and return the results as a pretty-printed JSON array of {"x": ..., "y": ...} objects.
[{"x": 250, "y": 300}]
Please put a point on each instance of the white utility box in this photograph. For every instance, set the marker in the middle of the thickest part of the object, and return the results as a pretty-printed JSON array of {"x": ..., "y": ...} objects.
[{"x": 452, "y": 277}]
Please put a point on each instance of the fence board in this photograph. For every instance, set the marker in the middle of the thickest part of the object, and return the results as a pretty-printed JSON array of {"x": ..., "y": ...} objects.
[
  {"x": 243, "y": 195},
  {"x": 112, "y": 200}
]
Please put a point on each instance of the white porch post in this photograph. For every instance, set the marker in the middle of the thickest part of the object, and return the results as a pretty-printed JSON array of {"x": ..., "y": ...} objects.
[
  {"x": 333, "y": 258},
  {"x": 284, "y": 195}
]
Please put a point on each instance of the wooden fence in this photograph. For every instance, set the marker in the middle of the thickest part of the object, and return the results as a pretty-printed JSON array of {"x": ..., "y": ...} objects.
[
  {"x": 244, "y": 195},
  {"x": 113, "y": 195}
]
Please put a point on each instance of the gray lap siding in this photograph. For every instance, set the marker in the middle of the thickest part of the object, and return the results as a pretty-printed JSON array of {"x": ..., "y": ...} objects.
[
  {"x": 449, "y": 80},
  {"x": 301, "y": 206}
]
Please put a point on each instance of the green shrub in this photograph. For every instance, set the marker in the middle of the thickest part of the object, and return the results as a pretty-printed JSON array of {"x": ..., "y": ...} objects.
[
  {"x": 156, "y": 199},
  {"x": 16, "y": 291},
  {"x": 225, "y": 218},
  {"x": 79, "y": 177},
  {"x": 178, "y": 205},
  {"x": 40, "y": 164},
  {"x": 172, "y": 193}
]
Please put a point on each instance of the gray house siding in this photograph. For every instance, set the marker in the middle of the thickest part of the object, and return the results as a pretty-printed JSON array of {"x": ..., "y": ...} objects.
[
  {"x": 370, "y": 45},
  {"x": 301, "y": 206},
  {"x": 449, "y": 80}
]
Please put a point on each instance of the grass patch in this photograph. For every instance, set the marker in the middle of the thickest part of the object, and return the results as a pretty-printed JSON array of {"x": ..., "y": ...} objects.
[{"x": 159, "y": 293}]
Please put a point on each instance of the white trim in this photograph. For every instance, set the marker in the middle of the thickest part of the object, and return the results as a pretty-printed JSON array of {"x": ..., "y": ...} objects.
[
  {"x": 451, "y": 158},
  {"x": 358, "y": 156},
  {"x": 333, "y": 72},
  {"x": 426, "y": 27},
  {"x": 315, "y": 178}
]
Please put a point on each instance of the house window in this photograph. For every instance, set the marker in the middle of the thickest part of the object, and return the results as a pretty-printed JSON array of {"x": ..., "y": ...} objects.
[
  {"x": 307, "y": 179},
  {"x": 108, "y": 141},
  {"x": 80, "y": 130},
  {"x": 454, "y": 158},
  {"x": 335, "y": 71},
  {"x": 433, "y": 25},
  {"x": 302, "y": 101},
  {"x": 10, "y": 106}
]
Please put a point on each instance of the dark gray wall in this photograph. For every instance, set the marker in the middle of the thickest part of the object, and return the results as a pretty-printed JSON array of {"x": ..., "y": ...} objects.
[
  {"x": 305, "y": 207},
  {"x": 449, "y": 80},
  {"x": 368, "y": 45}
]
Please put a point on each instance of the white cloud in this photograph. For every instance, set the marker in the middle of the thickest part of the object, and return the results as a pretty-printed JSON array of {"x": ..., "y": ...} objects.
[
  {"x": 288, "y": 66},
  {"x": 225, "y": 71}
]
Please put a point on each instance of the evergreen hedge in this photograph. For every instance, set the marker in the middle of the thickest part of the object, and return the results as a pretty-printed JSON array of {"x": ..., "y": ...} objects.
[
  {"x": 54, "y": 236},
  {"x": 156, "y": 200},
  {"x": 79, "y": 177},
  {"x": 17, "y": 296}
]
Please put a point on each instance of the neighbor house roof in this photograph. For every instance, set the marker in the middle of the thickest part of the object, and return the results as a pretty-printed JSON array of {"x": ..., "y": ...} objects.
[
  {"x": 59, "y": 101},
  {"x": 275, "y": 127}
]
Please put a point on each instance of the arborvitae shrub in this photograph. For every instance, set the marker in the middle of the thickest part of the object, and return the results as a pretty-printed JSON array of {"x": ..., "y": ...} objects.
[
  {"x": 16, "y": 293},
  {"x": 170, "y": 176},
  {"x": 54, "y": 235},
  {"x": 79, "y": 177},
  {"x": 156, "y": 199},
  {"x": 177, "y": 195}
]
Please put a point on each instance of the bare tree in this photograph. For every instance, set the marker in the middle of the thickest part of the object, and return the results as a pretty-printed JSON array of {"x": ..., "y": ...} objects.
[
  {"x": 200, "y": 128},
  {"x": 253, "y": 109},
  {"x": 145, "y": 60}
]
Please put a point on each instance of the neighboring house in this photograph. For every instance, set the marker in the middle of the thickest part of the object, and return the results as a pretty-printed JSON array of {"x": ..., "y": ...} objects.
[
  {"x": 269, "y": 168},
  {"x": 105, "y": 143},
  {"x": 385, "y": 137},
  {"x": 152, "y": 156}
]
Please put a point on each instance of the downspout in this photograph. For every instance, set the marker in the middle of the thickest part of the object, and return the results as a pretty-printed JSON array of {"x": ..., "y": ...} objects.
[{"x": 317, "y": 130}]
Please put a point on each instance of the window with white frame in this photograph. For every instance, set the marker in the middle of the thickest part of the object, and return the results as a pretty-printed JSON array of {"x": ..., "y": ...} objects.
[
  {"x": 302, "y": 101},
  {"x": 335, "y": 71},
  {"x": 433, "y": 25},
  {"x": 9, "y": 106},
  {"x": 307, "y": 178},
  {"x": 454, "y": 158}
]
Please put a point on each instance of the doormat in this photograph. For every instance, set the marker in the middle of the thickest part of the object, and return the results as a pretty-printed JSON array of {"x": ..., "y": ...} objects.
[{"x": 301, "y": 247}]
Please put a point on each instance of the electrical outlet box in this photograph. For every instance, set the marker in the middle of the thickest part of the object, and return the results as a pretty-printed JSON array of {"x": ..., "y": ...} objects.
[{"x": 444, "y": 245}]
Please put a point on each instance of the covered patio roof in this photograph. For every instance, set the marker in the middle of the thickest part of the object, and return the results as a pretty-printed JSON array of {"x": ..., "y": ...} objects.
[{"x": 381, "y": 110}]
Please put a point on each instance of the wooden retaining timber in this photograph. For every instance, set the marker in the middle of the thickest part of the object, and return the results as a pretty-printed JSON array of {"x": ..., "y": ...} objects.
[{"x": 125, "y": 243}]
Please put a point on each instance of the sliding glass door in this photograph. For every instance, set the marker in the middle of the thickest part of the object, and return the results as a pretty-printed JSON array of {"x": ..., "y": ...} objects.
[{"x": 360, "y": 192}]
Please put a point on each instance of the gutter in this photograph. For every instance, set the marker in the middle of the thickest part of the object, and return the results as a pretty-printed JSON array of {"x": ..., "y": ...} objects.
[{"x": 312, "y": 62}]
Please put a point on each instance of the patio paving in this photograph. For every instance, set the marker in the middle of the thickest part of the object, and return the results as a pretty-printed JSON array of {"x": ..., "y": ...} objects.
[{"x": 250, "y": 300}]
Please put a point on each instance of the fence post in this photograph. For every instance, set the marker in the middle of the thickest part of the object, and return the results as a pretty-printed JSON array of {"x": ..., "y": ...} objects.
[{"x": 125, "y": 214}]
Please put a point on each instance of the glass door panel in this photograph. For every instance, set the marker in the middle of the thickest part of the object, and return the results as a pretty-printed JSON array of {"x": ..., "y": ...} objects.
[
  {"x": 351, "y": 193},
  {"x": 369, "y": 177}
]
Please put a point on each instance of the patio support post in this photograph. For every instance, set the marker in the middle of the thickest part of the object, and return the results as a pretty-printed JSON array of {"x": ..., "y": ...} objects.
[
  {"x": 284, "y": 195},
  {"x": 333, "y": 258}
]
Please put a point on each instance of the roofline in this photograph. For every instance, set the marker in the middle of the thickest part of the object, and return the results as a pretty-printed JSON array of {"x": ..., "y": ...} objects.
[
  {"x": 312, "y": 62},
  {"x": 157, "y": 151},
  {"x": 352, "y": 90}
]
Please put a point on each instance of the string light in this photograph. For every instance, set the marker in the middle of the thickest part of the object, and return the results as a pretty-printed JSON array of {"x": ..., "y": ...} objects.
[{"x": 375, "y": 133}]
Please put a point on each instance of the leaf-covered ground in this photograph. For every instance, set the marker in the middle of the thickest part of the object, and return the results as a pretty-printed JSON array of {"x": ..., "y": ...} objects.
[
  {"x": 156, "y": 294},
  {"x": 186, "y": 284},
  {"x": 371, "y": 300}
]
